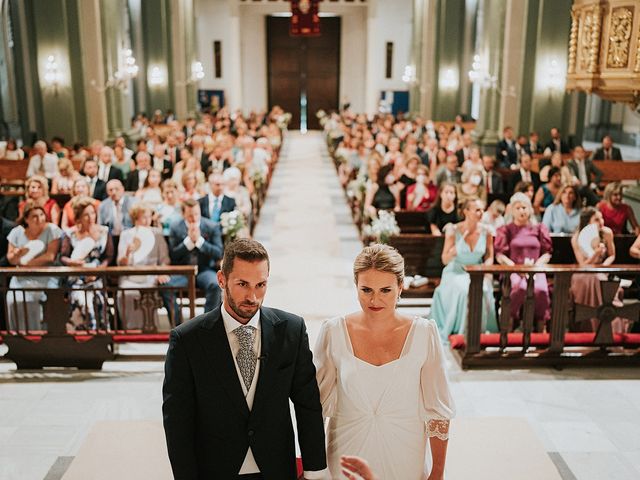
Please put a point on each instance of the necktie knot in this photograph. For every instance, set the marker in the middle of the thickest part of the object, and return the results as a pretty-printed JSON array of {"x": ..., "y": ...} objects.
[{"x": 245, "y": 335}]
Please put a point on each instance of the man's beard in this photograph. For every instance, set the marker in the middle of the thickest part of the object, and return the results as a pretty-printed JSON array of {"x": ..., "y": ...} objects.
[{"x": 236, "y": 308}]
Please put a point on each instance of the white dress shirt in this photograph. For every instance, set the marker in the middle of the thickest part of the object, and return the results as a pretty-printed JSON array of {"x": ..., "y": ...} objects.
[
  {"x": 142, "y": 176},
  {"x": 103, "y": 171},
  {"x": 525, "y": 175},
  {"x": 230, "y": 324}
]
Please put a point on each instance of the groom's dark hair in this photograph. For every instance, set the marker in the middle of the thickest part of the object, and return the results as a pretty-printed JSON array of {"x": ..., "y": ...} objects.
[{"x": 245, "y": 249}]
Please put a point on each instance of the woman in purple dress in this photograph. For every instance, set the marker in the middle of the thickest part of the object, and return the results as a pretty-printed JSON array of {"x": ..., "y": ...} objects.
[{"x": 524, "y": 243}]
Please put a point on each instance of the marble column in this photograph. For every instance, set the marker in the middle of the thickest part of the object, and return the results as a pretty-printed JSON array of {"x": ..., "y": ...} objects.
[{"x": 423, "y": 45}]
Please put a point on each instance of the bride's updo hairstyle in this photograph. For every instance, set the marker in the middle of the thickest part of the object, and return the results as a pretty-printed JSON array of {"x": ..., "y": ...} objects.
[{"x": 379, "y": 257}]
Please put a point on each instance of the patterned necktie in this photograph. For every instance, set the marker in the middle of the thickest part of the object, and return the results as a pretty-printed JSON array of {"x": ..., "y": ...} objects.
[{"x": 246, "y": 357}]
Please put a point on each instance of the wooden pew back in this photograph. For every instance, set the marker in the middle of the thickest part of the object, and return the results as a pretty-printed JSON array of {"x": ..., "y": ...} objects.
[
  {"x": 421, "y": 253},
  {"x": 616, "y": 171},
  {"x": 411, "y": 222},
  {"x": 13, "y": 170}
]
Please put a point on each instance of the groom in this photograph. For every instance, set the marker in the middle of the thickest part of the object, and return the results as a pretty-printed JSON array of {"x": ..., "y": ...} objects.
[{"x": 229, "y": 375}]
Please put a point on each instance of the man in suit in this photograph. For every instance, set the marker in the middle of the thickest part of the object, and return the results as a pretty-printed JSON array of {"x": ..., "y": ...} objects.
[
  {"x": 465, "y": 150},
  {"x": 136, "y": 178},
  {"x": 106, "y": 170},
  {"x": 97, "y": 187},
  {"x": 534, "y": 146},
  {"x": 557, "y": 144},
  {"x": 607, "y": 151},
  {"x": 216, "y": 202},
  {"x": 524, "y": 174},
  {"x": 492, "y": 180},
  {"x": 449, "y": 171},
  {"x": 229, "y": 376},
  {"x": 506, "y": 153},
  {"x": 173, "y": 151},
  {"x": 161, "y": 162},
  {"x": 114, "y": 211},
  {"x": 587, "y": 174},
  {"x": 194, "y": 240}
]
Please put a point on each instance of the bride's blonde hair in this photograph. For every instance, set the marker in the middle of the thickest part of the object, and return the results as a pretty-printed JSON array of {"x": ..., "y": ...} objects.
[{"x": 379, "y": 257}]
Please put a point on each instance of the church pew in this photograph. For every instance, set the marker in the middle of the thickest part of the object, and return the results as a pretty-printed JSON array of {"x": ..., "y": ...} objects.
[
  {"x": 13, "y": 172},
  {"x": 616, "y": 171},
  {"x": 421, "y": 254},
  {"x": 411, "y": 222},
  {"x": 555, "y": 346}
]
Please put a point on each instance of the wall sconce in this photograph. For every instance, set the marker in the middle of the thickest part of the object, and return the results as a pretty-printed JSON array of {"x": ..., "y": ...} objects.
[
  {"x": 52, "y": 75},
  {"x": 127, "y": 70},
  {"x": 156, "y": 76},
  {"x": 448, "y": 79},
  {"x": 480, "y": 75},
  {"x": 409, "y": 75},
  {"x": 554, "y": 76},
  {"x": 197, "y": 74}
]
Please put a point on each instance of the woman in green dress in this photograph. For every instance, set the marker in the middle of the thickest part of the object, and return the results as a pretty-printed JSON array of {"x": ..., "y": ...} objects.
[{"x": 466, "y": 243}]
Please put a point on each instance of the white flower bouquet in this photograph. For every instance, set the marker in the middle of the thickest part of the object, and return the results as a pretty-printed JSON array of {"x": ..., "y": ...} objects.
[
  {"x": 383, "y": 227},
  {"x": 232, "y": 223},
  {"x": 283, "y": 120}
]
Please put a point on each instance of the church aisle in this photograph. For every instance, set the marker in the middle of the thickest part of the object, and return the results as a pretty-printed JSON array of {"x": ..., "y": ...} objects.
[{"x": 306, "y": 226}]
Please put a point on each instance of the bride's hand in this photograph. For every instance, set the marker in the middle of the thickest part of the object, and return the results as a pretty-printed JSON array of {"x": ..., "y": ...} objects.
[{"x": 352, "y": 466}]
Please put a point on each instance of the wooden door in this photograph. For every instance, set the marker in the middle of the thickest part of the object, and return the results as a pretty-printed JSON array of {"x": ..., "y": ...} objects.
[{"x": 303, "y": 70}]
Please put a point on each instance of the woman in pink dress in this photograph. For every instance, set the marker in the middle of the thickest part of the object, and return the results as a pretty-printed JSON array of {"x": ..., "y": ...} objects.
[{"x": 524, "y": 243}]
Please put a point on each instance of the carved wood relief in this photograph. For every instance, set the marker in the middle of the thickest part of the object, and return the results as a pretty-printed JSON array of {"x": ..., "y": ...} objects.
[{"x": 619, "y": 37}]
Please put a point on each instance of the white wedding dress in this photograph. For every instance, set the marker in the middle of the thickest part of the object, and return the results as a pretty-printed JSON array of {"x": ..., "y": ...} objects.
[{"x": 384, "y": 413}]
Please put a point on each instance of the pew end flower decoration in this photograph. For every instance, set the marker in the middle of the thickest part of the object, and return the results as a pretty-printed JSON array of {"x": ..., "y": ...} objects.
[
  {"x": 383, "y": 227},
  {"x": 232, "y": 223},
  {"x": 283, "y": 120}
]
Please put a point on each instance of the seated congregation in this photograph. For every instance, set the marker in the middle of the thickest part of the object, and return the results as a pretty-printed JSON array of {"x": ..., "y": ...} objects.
[
  {"x": 174, "y": 200},
  {"x": 427, "y": 190}
]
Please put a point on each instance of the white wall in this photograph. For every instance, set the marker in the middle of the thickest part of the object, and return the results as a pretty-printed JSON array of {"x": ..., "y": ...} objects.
[
  {"x": 242, "y": 30},
  {"x": 388, "y": 21}
]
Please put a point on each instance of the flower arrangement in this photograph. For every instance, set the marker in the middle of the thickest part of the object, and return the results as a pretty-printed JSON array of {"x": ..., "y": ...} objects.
[
  {"x": 357, "y": 188},
  {"x": 283, "y": 120},
  {"x": 232, "y": 223},
  {"x": 383, "y": 227},
  {"x": 258, "y": 174}
]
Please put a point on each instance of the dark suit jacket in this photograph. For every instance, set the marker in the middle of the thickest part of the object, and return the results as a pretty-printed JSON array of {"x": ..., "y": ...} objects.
[
  {"x": 100, "y": 190},
  {"x": 167, "y": 168},
  {"x": 204, "y": 257},
  {"x": 207, "y": 423},
  {"x": 593, "y": 173},
  {"x": 506, "y": 155},
  {"x": 531, "y": 150},
  {"x": 615, "y": 154},
  {"x": 517, "y": 177},
  {"x": 564, "y": 146},
  {"x": 5, "y": 228},
  {"x": 497, "y": 184},
  {"x": 114, "y": 173},
  {"x": 228, "y": 205},
  {"x": 132, "y": 182}
]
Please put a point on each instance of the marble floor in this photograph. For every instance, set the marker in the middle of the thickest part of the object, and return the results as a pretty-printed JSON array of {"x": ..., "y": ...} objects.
[{"x": 587, "y": 419}]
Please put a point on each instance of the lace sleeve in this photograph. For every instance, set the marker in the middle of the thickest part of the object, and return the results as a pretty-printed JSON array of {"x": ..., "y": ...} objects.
[{"x": 438, "y": 428}]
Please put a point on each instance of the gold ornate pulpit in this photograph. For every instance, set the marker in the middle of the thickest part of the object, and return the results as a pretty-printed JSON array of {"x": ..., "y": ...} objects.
[{"x": 604, "y": 49}]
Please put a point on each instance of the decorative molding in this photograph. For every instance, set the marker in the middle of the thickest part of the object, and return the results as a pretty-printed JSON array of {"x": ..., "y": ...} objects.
[
  {"x": 637, "y": 67},
  {"x": 594, "y": 46},
  {"x": 573, "y": 41},
  {"x": 619, "y": 37}
]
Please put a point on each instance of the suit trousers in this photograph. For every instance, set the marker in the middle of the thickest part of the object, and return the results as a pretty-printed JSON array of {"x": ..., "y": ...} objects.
[{"x": 206, "y": 280}]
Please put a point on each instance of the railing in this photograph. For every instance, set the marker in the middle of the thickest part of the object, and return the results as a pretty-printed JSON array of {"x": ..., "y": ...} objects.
[
  {"x": 102, "y": 306},
  {"x": 554, "y": 347}
]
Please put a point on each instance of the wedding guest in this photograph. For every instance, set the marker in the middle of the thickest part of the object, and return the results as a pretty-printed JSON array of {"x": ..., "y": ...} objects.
[
  {"x": 556, "y": 143},
  {"x": 121, "y": 162},
  {"x": 190, "y": 190},
  {"x": 96, "y": 250},
  {"x": 563, "y": 215},
  {"x": 524, "y": 243},
  {"x": 114, "y": 212},
  {"x": 12, "y": 152},
  {"x": 585, "y": 287},
  {"x": 491, "y": 180},
  {"x": 216, "y": 202},
  {"x": 607, "y": 151},
  {"x": 136, "y": 178},
  {"x": 471, "y": 186},
  {"x": 615, "y": 212},
  {"x": 525, "y": 174},
  {"x": 448, "y": 172},
  {"x": 196, "y": 241},
  {"x": 38, "y": 191},
  {"x": 422, "y": 194},
  {"x": 465, "y": 243},
  {"x": 57, "y": 147},
  {"x": 547, "y": 192},
  {"x": 376, "y": 367},
  {"x": 233, "y": 189},
  {"x": 161, "y": 162},
  {"x": 587, "y": 175},
  {"x": 150, "y": 191},
  {"x": 534, "y": 146},
  {"x": 407, "y": 174},
  {"x": 169, "y": 210},
  {"x": 506, "y": 153},
  {"x": 133, "y": 240},
  {"x": 42, "y": 163},
  {"x": 63, "y": 181},
  {"x": 382, "y": 195},
  {"x": 97, "y": 187},
  {"x": 527, "y": 189},
  {"x": 444, "y": 210},
  {"x": 32, "y": 227},
  {"x": 106, "y": 170},
  {"x": 558, "y": 162},
  {"x": 493, "y": 217},
  {"x": 80, "y": 189}
]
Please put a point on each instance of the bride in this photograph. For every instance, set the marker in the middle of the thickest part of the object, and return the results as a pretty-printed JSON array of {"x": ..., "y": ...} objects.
[{"x": 382, "y": 379}]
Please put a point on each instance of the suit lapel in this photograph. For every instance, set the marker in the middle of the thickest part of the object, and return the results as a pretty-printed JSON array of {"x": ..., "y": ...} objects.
[
  {"x": 215, "y": 344},
  {"x": 271, "y": 343}
]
